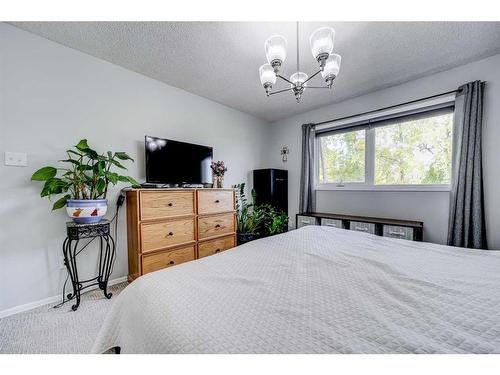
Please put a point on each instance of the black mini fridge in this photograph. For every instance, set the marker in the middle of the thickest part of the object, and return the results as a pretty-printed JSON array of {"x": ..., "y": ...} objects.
[{"x": 271, "y": 186}]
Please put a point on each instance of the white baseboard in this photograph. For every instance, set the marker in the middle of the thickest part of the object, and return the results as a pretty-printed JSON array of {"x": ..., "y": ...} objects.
[{"x": 46, "y": 301}]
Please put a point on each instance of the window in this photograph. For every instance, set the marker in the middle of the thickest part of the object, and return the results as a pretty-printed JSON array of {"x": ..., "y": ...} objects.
[
  {"x": 343, "y": 157},
  {"x": 413, "y": 150}
]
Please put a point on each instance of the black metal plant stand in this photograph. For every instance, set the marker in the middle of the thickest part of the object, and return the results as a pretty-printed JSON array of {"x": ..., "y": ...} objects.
[{"x": 107, "y": 253}]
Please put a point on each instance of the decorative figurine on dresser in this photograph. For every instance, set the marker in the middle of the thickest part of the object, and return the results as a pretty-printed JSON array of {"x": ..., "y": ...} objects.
[{"x": 107, "y": 252}]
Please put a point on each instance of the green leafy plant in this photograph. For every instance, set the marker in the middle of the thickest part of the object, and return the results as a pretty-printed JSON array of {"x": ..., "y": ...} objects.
[
  {"x": 249, "y": 216},
  {"x": 86, "y": 175},
  {"x": 275, "y": 221}
]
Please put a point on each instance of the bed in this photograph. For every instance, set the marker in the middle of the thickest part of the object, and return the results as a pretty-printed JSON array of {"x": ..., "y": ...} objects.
[{"x": 314, "y": 290}]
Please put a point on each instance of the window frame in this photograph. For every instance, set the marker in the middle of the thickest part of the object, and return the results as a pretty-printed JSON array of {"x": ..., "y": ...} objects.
[{"x": 369, "y": 183}]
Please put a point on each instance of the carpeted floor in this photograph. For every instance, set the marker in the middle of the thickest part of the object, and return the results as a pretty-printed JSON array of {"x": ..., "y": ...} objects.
[{"x": 49, "y": 330}]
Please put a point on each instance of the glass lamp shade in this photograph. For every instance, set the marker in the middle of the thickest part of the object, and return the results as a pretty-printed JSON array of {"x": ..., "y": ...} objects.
[
  {"x": 275, "y": 48},
  {"x": 332, "y": 66},
  {"x": 322, "y": 41},
  {"x": 267, "y": 75},
  {"x": 298, "y": 77}
]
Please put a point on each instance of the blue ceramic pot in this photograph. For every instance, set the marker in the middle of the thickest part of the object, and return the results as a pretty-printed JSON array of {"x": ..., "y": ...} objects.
[{"x": 86, "y": 211}]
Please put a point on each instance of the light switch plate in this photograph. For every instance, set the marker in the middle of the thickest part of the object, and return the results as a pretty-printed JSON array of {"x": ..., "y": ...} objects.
[{"x": 16, "y": 159}]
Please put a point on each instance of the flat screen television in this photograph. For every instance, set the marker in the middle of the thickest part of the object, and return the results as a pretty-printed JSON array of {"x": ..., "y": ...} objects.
[{"x": 174, "y": 162}]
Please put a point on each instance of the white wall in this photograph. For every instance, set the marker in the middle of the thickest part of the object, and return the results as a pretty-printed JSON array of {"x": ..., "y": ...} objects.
[
  {"x": 50, "y": 97},
  {"x": 430, "y": 207}
]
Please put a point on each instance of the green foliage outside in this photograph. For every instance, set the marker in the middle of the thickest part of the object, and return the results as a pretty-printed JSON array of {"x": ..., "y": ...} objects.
[
  {"x": 343, "y": 157},
  {"x": 413, "y": 152}
]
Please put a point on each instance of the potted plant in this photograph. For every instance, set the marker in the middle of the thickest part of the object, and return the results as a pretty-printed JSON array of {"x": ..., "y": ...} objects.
[
  {"x": 275, "y": 221},
  {"x": 249, "y": 216},
  {"x": 84, "y": 181},
  {"x": 218, "y": 169}
]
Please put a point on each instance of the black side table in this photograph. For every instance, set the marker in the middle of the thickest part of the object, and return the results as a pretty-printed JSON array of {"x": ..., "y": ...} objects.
[{"x": 107, "y": 253}]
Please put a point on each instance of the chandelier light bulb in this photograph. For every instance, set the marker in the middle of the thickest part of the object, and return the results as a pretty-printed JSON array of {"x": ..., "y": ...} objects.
[
  {"x": 267, "y": 77},
  {"x": 331, "y": 68},
  {"x": 322, "y": 43},
  {"x": 298, "y": 79},
  {"x": 298, "y": 84},
  {"x": 275, "y": 48},
  {"x": 267, "y": 74}
]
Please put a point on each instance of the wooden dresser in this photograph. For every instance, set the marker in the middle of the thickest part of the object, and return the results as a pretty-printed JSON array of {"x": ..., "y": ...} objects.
[{"x": 166, "y": 227}]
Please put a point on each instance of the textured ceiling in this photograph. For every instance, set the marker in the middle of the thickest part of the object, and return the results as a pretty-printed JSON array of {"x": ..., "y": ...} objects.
[{"x": 220, "y": 60}]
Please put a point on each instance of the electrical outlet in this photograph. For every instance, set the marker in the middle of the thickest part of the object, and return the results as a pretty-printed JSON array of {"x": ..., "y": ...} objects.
[{"x": 16, "y": 159}]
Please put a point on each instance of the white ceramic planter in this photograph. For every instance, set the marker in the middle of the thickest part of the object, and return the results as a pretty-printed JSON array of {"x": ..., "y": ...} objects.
[{"x": 84, "y": 211}]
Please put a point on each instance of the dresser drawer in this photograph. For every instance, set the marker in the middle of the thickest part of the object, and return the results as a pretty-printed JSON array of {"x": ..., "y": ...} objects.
[
  {"x": 162, "y": 204},
  {"x": 331, "y": 223},
  {"x": 215, "y": 225},
  {"x": 305, "y": 220},
  {"x": 215, "y": 201},
  {"x": 215, "y": 246},
  {"x": 155, "y": 236},
  {"x": 362, "y": 227},
  {"x": 398, "y": 232},
  {"x": 164, "y": 259}
]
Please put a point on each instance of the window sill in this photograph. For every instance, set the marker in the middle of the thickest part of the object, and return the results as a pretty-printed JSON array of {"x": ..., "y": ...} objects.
[{"x": 363, "y": 187}]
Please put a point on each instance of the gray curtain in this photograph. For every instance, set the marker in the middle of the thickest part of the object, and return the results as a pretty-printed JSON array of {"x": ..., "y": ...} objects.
[
  {"x": 307, "y": 195},
  {"x": 467, "y": 221}
]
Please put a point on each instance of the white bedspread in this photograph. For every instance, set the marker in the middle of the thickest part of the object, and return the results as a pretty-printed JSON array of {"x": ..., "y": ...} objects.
[{"x": 315, "y": 290}]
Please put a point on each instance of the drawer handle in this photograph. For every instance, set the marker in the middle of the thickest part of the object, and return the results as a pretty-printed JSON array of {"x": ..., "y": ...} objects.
[
  {"x": 217, "y": 225},
  {"x": 170, "y": 204},
  {"x": 217, "y": 201},
  {"x": 217, "y": 250},
  {"x": 171, "y": 262},
  {"x": 361, "y": 229},
  {"x": 397, "y": 233},
  {"x": 170, "y": 233}
]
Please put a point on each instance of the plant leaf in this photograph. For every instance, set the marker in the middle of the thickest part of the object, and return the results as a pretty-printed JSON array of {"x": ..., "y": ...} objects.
[
  {"x": 54, "y": 186},
  {"x": 117, "y": 163},
  {"x": 84, "y": 167},
  {"x": 74, "y": 153},
  {"x": 82, "y": 145},
  {"x": 134, "y": 183},
  {"x": 99, "y": 167},
  {"x": 91, "y": 153},
  {"x": 123, "y": 178},
  {"x": 61, "y": 202},
  {"x": 100, "y": 185},
  {"x": 70, "y": 161},
  {"x": 112, "y": 177},
  {"x": 123, "y": 156},
  {"x": 44, "y": 174}
]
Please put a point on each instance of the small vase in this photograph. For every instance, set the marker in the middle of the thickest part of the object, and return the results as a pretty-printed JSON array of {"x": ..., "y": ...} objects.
[{"x": 218, "y": 182}]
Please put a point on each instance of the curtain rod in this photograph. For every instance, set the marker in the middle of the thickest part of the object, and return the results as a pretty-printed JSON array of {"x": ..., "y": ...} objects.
[{"x": 385, "y": 108}]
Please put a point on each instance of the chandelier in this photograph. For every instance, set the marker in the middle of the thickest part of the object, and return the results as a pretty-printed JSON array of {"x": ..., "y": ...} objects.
[{"x": 321, "y": 47}]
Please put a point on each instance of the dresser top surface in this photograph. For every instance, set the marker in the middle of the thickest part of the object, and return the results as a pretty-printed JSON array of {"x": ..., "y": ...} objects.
[{"x": 179, "y": 189}]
